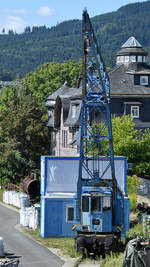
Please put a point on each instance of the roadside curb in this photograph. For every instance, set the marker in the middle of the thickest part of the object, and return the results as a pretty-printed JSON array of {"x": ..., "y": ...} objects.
[
  {"x": 68, "y": 261},
  {"x": 9, "y": 207}
]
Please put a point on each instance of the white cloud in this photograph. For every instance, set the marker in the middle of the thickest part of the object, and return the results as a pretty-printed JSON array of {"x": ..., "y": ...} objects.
[
  {"x": 18, "y": 19},
  {"x": 12, "y": 19},
  {"x": 15, "y": 23},
  {"x": 45, "y": 11}
]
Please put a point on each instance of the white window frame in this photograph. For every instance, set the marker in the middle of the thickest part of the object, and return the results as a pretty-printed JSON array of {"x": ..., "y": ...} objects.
[
  {"x": 67, "y": 213},
  {"x": 144, "y": 80},
  {"x": 135, "y": 111}
]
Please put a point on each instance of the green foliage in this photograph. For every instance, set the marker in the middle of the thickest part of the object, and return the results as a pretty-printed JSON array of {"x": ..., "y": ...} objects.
[
  {"x": 1, "y": 195},
  {"x": 125, "y": 137},
  {"x": 49, "y": 77},
  {"x": 127, "y": 142},
  {"x": 132, "y": 144},
  {"x": 133, "y": 201},
  {"x": 137, "y": 230},
  {"x": 132, "y": 189},
  {"x": 132, "y": 184},
  {"x": 23, "y": 135},
  {"x": 23, "y": 115},
  {"x": 142, "y": 165}
]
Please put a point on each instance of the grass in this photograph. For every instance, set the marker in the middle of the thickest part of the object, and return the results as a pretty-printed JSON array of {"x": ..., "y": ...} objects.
[
  {"x": 1, "y": 195},
  {"x": 114, "y": 260},
  {"x": 66, "y": 245}
]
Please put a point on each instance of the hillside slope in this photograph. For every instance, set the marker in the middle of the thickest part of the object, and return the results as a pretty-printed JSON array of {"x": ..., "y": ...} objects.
[{"x": 24, "y": 52}]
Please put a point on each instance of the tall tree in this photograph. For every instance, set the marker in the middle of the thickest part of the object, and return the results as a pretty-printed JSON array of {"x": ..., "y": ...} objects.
[
  {"x": 23, "y": 135},
  {"x": 49, "y": 77}
]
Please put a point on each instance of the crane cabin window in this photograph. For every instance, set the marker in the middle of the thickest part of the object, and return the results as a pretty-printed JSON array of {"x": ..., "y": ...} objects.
[
  {"x": 106, "y": 203},
  {"x": 85, "y": 203},
  {"x": 95, "y": 203}
]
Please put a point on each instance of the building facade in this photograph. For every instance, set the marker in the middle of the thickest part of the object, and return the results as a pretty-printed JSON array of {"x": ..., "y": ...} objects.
[{"x": 130, "y": 94}]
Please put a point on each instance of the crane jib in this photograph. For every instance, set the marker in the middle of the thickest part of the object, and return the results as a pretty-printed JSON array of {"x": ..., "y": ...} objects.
[{"x": 100, "y": 204}]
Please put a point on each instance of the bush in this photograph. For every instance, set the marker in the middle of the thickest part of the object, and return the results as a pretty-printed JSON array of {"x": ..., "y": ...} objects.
[
  {"x": 133, "y": 201},
  {"x": 132, "y": 189},
  {"x": 137, "y": 230}
]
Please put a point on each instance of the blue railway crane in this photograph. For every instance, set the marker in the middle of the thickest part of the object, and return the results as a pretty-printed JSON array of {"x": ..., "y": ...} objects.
[{"x": 101, "y": 205}]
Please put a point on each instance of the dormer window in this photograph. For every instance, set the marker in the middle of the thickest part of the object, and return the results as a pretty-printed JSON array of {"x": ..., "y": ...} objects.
[
  {"x": 144, "y": 80},
  {"x": 50, "y": 112},
  {"x": 74, "y": 109},
  {"x": 135, "y": 111}
]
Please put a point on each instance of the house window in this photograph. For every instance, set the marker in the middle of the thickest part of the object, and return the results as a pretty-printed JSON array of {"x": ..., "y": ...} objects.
[
  {"x": 140, "y": 59},
  {"x": 132, "y": 58},
  {"x": 144, "y": 80},
  {"x": 135, "y": 111},
  {"x": 74, "y": 109},
  {"x": 126, "y": 58},
  {"x": 70, "y": 214},
  {"x": 121, "y": 58},
  {"x": 118, "y": 59},
  {"x": 64, "y": 138}
]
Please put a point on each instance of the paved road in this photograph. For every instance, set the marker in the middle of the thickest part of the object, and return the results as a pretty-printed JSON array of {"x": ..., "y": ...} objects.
[{"x": 30, "y": 253}]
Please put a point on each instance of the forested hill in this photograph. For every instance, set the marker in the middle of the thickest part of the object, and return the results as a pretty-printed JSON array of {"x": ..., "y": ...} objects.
[{"x": 22, "y": 53}]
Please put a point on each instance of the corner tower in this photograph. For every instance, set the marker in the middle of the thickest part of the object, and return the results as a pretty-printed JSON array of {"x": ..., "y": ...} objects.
[{"x": 131, "y": 52}]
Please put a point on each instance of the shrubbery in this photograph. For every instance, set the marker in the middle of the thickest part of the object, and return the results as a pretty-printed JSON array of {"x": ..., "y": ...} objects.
[{"x": 132, "y": 189}]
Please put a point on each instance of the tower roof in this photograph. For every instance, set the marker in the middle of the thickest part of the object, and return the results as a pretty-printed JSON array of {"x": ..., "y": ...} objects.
[
  {"x": 131, "y": 47},
  {"x": 131, "y": 42}
]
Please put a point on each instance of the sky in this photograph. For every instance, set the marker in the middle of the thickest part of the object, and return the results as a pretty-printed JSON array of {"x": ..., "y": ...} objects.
[{"x": 16, "y": 15}]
